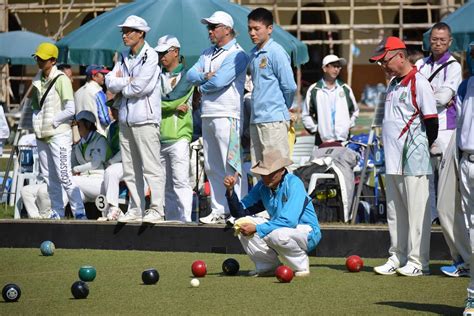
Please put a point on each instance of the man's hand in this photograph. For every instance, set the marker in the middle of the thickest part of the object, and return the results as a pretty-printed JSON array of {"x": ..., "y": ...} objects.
[
  {"x": 230, "y": 181},
  {"x": 183, "y": 108},
  {"x": 209, "y": 75},
  {"x": 248, "y": 229}
]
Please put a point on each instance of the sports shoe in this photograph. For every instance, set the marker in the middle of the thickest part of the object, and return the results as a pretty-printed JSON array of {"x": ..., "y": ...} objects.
[
  {"x": 114, "y": 213},
  {"x": 152, "y": 216},
  {"x": 213, "y": 219},
  {"x": 387, "y": 269},
  {"x": 469, "y": 308},
  {"x": 129, "y": 218},
  {"x": 80, "y": 216},
  {"x": 102, "y": 219},
  {"x": 410, "y": 270},
  {"x": 51, "y": 214},
  {"x": 456, "y": 270},
  {"x": 303, "y": 273},
  {"x": 230, "y": 220}
]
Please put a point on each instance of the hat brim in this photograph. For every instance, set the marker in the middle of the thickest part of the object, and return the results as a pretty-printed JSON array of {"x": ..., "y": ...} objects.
[
  {"x": 264, "y": 171},
  {"x": 138, "y": 28},
  {"x": 43, "y": 56},
  {"x": 375, "y": 58},
  {"x": 162, "y": 48},
  {"x": 208, "y": 21}
]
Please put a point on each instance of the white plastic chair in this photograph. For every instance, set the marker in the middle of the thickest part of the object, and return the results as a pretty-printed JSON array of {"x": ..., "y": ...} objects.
[{"x": 302, "y": 151}]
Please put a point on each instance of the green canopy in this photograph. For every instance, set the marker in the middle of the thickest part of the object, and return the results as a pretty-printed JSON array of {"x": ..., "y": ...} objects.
[
  {"x": 462, "y": 28},
  {"x": 97, "y": 41},
  {"x": 16, "y": 47}
]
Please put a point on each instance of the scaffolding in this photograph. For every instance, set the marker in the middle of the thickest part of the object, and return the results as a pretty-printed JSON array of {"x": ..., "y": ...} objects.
[{"x": 359, "y": 25}]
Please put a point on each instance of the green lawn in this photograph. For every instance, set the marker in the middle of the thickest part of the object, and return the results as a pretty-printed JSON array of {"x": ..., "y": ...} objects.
[{"x": 46, "y": 281}]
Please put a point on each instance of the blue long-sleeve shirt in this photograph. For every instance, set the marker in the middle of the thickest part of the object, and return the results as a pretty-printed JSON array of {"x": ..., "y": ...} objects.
[
  {"x": 274, "y": 83},
  {"x": 102, "y": 109},
  {"x": 233, "y": 65},
  {"x": 288, "y": 206}
]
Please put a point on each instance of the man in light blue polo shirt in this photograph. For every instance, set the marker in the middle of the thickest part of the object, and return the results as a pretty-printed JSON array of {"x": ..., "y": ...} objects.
[
  {"x": 274, "y": 88},
  {"x": 219, "y": 75}
]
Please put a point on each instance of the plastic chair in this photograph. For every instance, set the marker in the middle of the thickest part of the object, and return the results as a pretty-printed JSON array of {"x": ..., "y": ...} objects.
[
  {"x": 26, "y": 168},
  {"x": 302, "y": 151}
]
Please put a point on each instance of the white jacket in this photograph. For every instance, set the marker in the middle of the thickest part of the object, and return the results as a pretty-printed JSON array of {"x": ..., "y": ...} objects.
[
  {"x": 139, "y": 87},
  {"x": 89, "y": 156}
]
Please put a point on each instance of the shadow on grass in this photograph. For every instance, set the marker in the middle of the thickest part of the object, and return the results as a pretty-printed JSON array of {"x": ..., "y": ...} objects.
[
  {"x": 434, "y": 268},
  {"x": 433, "y": 308},
  {"x": 339, "y": 267}
]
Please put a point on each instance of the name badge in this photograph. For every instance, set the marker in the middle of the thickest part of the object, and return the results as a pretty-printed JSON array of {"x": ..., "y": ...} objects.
[{"x": 263, "y": 62}]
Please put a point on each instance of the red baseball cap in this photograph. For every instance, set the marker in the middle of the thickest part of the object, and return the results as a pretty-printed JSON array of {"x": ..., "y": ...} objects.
[{"x": 387, "y": 44}]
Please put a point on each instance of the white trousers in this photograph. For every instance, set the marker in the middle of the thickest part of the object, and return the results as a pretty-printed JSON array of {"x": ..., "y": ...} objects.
[
  {"x": 443, "y": 139},
  {"x": 140, "y": 147},
  {"x": 89, "y": 185},
  {"x": 265, "y": 136},
  {"x": 178, "y": 192},
  {"x": 216, "y": 135},
  {"x": 451, "y": 216},
  {"x": 466, "y": 184},
  {"x": 55, "y": 163},
  {"x": 291, "y": 244},
  {"x": 408, "y": 220},
  {"x": 35, "y": 199},
  {"x": 111, "y": 184}
]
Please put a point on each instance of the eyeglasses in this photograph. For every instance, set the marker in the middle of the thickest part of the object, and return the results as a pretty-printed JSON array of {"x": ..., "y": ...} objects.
[
  {"x": 39, "y": 60},
  {"x": 161, "y": 54},
  {"x": 385, "y": 62},
  {"x": 212, "y": 27},
  {"x": 127, "y": 32}
]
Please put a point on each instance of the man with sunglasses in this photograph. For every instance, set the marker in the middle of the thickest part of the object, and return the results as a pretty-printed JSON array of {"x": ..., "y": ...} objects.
[
  {"x": 176, "y": 129},
  {"x": 410, "y": 126},
  {"x": 52, "y": 101},
  {"x": 330, "y": 108},
  {"x": 219, "y": 75},
  {"x": 135, "y": 77}
]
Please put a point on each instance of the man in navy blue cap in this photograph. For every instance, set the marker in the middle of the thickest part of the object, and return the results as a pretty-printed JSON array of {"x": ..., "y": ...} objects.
[{"x": 91, "y": 96}]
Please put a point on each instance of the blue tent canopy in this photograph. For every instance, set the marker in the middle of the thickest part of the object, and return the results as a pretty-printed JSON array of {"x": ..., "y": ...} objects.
[
  {"x": 97, "y": 41},
  {"x": 16, "y": 47}
]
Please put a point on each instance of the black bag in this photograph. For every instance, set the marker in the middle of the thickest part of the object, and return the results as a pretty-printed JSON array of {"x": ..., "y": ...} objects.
[{"x": 326, "y": 197}]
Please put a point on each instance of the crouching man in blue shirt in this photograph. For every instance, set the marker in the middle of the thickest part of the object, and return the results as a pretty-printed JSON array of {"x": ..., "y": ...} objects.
[{"x": 292, "y": 230}]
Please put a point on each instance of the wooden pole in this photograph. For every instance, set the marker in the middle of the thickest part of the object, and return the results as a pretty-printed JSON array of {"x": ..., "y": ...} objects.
[{"x": 351, "y": 45}]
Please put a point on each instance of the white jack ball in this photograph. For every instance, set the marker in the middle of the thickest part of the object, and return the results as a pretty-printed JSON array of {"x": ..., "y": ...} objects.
[{"x": 194, "y": 282}]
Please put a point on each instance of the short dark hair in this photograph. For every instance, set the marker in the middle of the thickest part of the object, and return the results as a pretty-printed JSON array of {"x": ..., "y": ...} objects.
[
  {"x": 261, "y": 15},
  {"x": 63, "y": 66},
  {"x": 441, "y": 26}
]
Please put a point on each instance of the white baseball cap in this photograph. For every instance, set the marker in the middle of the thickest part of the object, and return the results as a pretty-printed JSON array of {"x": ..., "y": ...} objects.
[
  {"x": 135, "y": 22},
  {"x": 219, "y": 17},
  {"x": 166, "y": 42},
  {"x": 332, "y": 59}
]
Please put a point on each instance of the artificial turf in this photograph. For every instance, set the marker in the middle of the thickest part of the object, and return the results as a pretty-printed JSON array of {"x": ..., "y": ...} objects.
[{"x": 45, "y": 283}]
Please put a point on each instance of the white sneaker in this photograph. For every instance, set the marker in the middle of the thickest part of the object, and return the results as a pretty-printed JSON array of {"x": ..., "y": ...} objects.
[
  {"x": 102, "y": 219},
  {"x": 410, "y": 270},
  {"x": 129, "y": 218},
  {"x": 50, "y": 214},
  {"x": 152, "y": 216},
  {"x": 230, "y": 220},
  {"x": 387, "y": 269},
  {"x": 213, "y": 219},
  {"x": 303, "y": 273},
  {"x": 114, "y": 213}
]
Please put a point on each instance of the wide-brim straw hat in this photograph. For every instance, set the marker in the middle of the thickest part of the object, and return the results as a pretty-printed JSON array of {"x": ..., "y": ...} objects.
[{"x": 272, "y": 161}]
